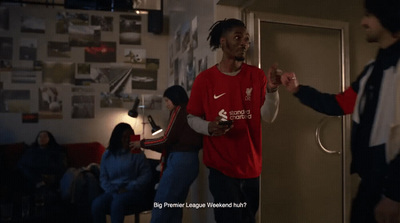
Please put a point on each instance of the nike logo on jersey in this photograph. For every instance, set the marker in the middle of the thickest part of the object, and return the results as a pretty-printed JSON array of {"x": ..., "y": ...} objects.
[{"x": 218, "y": 96}]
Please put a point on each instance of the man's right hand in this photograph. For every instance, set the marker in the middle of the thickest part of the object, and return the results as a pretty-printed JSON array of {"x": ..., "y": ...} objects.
[{"x": 215, "y": 129}]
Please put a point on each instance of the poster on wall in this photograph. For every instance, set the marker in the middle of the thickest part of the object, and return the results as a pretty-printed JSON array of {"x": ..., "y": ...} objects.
[
  {"x": 177, "y": 40},
  {"x": 202, "y": 65},
  {"x": 24, "y": 76},
  {"x": 27, "y": 49},
  {"x": 82, "y": 106},
  {"x": 190, "y": 73},
  {"x": 81, "y": 36},
  {"x": 109, "y": 100},
  {"x": 105, "y": 22},
  {"x": 100, "y": 75},
  {"x": 6, "y": 48},
  {"x": 115, "y": 75},
  {"x": 65, "y": 19},
  {"x": 30, "y": 24},
  {"x": 4, "y": 19},
  {"x": 135, "y": 56},
  {"x": 177, "y": 63},
  {"x": 104, "y": 53},
  {"x": 58, "y": 49},
  {"x": 151, "y": 101},
  {"x": 14, "y": 101},
  {"x": 186, "y": 37},
  {"x": 144, "y": 79},
  {"x": 5, "y": 65},
  {"x": 194, "y": 32},
  {"x": 58, "y": 72},
  {"x": 130, "y": 29},
  {"x": 152, "y": 64},
  {"x": 82, "y": 75},
  {"x": 50, "y": 103},
  {"x": 30, "y": 117}
]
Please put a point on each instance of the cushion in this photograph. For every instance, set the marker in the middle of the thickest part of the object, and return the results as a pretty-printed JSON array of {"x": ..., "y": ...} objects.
[
  {"x": 11, "y": 153},
  {"x": 83, "y": 154}
]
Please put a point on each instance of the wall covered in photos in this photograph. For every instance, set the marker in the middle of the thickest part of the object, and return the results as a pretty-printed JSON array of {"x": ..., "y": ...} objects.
[
  {"x": 189, "y": 51},
  {"x": 77, "y": 72}
]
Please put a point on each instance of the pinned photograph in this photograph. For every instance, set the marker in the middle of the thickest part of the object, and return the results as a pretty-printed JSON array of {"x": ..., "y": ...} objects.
[
  {"x": 135, "y": 56},
  {"x": 58, "y": 49},
  {"x": 58, "y": 72},
  {"x": 81, "y": 36},
  {"x": 24, "y": 76},
  {"x": 202, "y": 64},
  {"x": 194, "y": 31},
  {"x": 105, "y": 22},
  {"x": 30, "y": 24},
  {"x": 117, "y": 76},
  {"x": 109, "y": 100},
  {"x": 15, "y": 101},
  {"x": 104, "y": 53},
  {"x": 65, "y": 19},
  {"x": 130, "y": 29},
  {"x": 82, "y": 75},
  {"x": 50, "y": 104},
  {"x": 82, "y": 106},
  {"x": 4, "y": 19},
  {"x": 6, "y": 48},
  {"x": 152, "y": 64},
  {"x": 152, "y": 102},
  {"x": 5, "y": 65},
  {"x": 144, "y": 79},
  {"x": 27, "y": 49}
]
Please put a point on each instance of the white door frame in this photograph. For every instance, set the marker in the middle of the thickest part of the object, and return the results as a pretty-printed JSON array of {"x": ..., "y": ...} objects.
[{"x": 253, "y": 22}]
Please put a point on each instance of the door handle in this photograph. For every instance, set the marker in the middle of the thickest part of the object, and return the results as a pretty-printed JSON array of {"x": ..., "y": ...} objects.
[{"x": 318, "y": 135}]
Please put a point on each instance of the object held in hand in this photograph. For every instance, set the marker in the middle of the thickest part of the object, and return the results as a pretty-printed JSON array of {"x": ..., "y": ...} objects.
[
  {"x": 227, "y": 123},
  {"x": 134, "y": 138},
  {"x": 136, "y": 150}
]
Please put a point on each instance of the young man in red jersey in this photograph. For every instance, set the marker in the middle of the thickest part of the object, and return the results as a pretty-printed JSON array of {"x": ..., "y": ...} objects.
[{"x": 226, "y": 105}]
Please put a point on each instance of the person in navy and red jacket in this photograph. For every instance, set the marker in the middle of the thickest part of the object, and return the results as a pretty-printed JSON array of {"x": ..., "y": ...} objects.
[{"x": 374, "y": 102}]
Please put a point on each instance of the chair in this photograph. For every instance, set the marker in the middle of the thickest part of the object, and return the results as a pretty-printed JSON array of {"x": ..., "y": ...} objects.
[{"x": 148, "y": 205}]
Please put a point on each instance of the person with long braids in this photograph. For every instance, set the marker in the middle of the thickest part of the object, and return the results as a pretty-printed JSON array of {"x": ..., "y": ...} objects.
[
  {"x": 124, "y": 177},
  {"x": 226, "y": 105},
  {"x": 180, "y": 147}
]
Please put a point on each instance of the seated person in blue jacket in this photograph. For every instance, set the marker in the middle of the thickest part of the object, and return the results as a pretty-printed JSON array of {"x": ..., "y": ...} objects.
[
  {"x": 43, "y": 165},
  {"x": 124, "y": 177}
]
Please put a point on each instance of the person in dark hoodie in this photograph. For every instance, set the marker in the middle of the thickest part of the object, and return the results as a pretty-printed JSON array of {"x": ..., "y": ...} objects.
[
  {"x": 374, "y": 102},
  {"x": 44, "y": 163}
]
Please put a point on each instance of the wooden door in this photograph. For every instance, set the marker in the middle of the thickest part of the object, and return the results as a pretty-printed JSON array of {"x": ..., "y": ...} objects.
[{"x": 304, "y": 152}]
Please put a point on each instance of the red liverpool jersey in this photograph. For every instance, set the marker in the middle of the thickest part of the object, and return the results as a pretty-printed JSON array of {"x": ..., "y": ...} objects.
[{"x": 238, "y": 98}]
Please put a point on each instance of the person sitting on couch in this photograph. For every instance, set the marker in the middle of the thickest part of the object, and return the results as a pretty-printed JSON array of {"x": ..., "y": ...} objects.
[
  {"x": 124, "y": 177},
  {"x": 43, "y": 165}
]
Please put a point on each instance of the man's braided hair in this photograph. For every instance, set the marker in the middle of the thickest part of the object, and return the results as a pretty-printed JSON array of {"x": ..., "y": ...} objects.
[{"x": 220, "y": 28}]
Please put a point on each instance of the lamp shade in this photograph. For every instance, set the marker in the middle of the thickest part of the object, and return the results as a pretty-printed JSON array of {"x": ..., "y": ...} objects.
[
  {"x": 133, "y": 112},
  {"x": 155, "y": 129}
]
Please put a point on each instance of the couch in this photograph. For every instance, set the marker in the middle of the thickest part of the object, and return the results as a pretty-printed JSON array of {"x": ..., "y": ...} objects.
[
  {"x": 11, "y": 182},
  {"x": 78, "y": 155}
]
